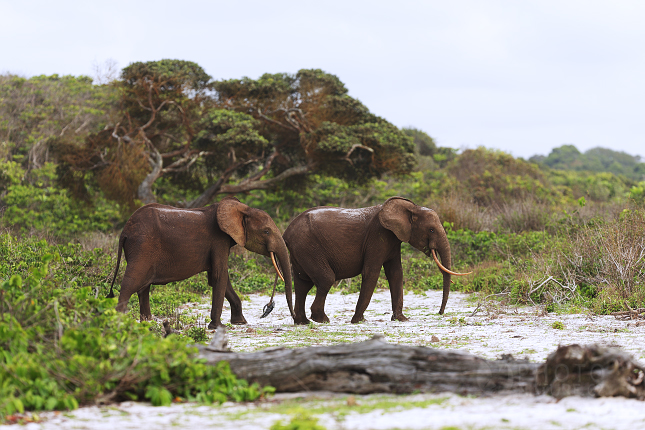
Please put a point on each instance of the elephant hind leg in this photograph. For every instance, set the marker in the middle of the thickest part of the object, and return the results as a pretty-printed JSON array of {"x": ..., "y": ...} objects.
[
  {"x": 134, "y": 282},
  {"x": 323, "y": 285},
  {"x": 302, "y": 288},
  {"x": 144, "y": 304}
]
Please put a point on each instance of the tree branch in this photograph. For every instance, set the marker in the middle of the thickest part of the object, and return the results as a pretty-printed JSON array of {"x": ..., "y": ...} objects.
[
  {"x": 272, "y": 121},
  {"x": 354, "y": 147},
  {"x": 267, "y": 183}
]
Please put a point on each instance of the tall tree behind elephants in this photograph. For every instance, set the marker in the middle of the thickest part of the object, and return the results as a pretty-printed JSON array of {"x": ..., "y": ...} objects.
[{"x": 178, "y": 129}]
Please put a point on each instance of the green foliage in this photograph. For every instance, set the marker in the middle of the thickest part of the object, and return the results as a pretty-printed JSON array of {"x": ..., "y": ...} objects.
[
  {"x": 36, "y": 110},
  {"x": 494, "y": 177},
  {"x": 557, "y": 325},
  {"x": 175, "y": 75},
  {"x": 567, "y": 157},
  {"x": 64, "y": 347},
  {"x": 637, "y": 193},
  {"x": 197, "y": 333},
  {"x": 250, "y": 273},
  {"x": 425, "y": 145},
  {"x": 34, "y": 203},
  {"x": 311, "y": 119},
  {"x": 301, "y": 420}
]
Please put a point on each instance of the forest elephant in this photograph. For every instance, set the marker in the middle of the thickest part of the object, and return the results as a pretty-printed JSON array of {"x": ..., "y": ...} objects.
[
  {"x": 165, "y": 244},
  {"x": 329, "y": 244}
]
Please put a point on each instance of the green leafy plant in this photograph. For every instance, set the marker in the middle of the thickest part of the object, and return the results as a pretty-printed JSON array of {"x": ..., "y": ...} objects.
[
  {"x": 557, "y": 325},
  {"x": 61, "y": 348},
  {"x": 301, "y": 420}
]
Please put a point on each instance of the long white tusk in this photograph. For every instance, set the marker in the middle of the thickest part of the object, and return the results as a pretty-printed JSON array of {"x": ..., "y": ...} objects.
[
  {"x": 436, "y": 260},
  {"x": 276, "y": 266}
]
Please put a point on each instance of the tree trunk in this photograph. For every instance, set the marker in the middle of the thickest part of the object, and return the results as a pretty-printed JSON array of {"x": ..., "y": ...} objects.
[
  {"x": 374, "y": 366},
  {"x": 144, "y": 191}
]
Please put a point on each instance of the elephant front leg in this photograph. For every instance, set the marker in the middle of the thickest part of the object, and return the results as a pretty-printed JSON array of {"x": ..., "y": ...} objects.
[
  {"x": 370, "y": 278},
  {"x": 236, "y": 305},
  {"x": 394, "y": 275},
  {"x": 219, "y": 284}
]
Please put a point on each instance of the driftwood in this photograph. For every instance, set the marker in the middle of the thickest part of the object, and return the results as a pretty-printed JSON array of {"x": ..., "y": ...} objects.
[{"x": 375, "y": 366}]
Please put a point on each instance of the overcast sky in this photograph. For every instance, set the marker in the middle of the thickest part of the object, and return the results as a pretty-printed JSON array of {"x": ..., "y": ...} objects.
[{"x": 522, "y": 76}]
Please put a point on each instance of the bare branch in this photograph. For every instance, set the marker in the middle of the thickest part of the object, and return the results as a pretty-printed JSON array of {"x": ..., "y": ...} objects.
[
  {"x": 354, "y": 147},
  {"x": 268, "y": 183},
  {"x": 186, "y": 161},
  {"x": 272, "y": 121},
  {"x": 265, "y": 169}
]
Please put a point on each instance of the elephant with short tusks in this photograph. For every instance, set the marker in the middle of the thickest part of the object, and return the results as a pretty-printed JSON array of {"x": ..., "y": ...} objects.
[
  {"x": 165, "y": 244},
  {"x": 328, "y": 244}
]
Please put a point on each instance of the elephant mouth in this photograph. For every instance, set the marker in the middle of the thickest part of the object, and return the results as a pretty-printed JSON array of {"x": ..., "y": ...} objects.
[{"x": 443, "y": 269}]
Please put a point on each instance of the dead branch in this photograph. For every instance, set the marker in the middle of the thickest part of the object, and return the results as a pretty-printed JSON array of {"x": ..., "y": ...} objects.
[
  {"x": 355, "y": 147},
  {"x": 630, "y": 314}
]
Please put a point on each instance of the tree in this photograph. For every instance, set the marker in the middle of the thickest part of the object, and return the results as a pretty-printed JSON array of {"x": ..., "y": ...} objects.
[
  {"x": 567, "y": 157},
  {"x": 38, "y": 110},
  {"x": 159, "y": 104},
  {"x": 230, "y": 136},
  {"x": 425, "y": 145},
  {"x": 312, "y": 125}
]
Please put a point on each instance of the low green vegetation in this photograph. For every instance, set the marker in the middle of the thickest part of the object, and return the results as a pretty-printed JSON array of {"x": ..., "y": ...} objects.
[
  {"x": 558, "y": 325},
  {"x": 63, "y": 347}
]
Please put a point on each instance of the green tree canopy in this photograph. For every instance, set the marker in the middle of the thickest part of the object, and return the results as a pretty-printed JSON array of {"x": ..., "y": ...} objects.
[
  {"x": 229, "y": 136},
  {"x": 567, "y": 157},
  {"x": 36, "y": 111}
]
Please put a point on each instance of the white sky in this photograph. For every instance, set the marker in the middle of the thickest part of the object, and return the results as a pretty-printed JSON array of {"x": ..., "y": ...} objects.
[{"x": 523, "y": 76}]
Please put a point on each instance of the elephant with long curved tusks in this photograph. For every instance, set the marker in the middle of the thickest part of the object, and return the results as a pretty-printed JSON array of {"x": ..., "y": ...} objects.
[
  {"x": 329, "y": 244},
  {"x": 165, "y": 244}
]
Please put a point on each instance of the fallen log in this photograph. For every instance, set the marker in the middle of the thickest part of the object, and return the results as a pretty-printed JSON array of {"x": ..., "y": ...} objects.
[{"x": 375, "y": 366}]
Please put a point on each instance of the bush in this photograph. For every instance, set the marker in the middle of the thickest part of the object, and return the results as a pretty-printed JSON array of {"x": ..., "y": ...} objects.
[
  {"x": 61, "y": 348},
  {"x": 33, "y": 202},
  {"x": 604, "y": 261}
]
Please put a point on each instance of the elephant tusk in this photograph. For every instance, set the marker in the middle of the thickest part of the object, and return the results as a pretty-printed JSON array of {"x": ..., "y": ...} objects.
[
  {"x": 436, "y": 260},
  {"x": 276, "y": 266}
]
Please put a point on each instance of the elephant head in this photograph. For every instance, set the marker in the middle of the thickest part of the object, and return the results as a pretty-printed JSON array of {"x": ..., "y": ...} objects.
[
  {"x": 255, "y": 230},
  {"x": 421, "y": 228}
]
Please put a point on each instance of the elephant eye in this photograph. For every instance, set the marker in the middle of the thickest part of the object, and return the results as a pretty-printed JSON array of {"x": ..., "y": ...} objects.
[
  {"x": 266, "y": 232},
  {"x": 432, "y": 230}
]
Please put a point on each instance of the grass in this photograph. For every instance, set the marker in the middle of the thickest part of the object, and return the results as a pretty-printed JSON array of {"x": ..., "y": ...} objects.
[{"x": 341, "y": 406}]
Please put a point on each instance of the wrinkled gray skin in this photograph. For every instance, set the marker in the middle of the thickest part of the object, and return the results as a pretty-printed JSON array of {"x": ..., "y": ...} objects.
[
  {"x": 328, "y": 244},
  {"x": 165, "y": 244}
]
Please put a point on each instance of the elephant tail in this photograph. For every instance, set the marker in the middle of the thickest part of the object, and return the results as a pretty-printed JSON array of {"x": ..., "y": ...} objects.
[
  {"x": 118, "y": 262},
  {"x": 269, "y": 306}
]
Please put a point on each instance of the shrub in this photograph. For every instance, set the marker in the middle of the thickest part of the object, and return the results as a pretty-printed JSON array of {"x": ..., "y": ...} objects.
[
  {"x": 605, "y": 261},
  {"x": 61, "y": 348}
]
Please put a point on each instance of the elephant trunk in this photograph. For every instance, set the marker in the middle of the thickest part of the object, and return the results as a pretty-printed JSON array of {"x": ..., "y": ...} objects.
[
  {"x": 444, "y": 253},
  {"x": 283, "y": 260}
]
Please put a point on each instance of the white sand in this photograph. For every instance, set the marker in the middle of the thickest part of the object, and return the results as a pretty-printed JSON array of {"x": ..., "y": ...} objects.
[{"x": 520, "y": 332}]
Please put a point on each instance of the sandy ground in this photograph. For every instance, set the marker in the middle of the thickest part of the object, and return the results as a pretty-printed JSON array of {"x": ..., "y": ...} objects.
[{"x": 518, "y": 331}]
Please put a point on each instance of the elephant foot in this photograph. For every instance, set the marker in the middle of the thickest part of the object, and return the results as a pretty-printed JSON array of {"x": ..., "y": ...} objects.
[
  {"x": 356, "y": 319},
  {"x": 320, "y": 318},
  {"x": 400, "y": 317},
  {"x": 301, "y": 320},
  {"x": 238, "y": 320},
  {"x": 143, "y": 318},
  {"x": 213, "y": 325}
]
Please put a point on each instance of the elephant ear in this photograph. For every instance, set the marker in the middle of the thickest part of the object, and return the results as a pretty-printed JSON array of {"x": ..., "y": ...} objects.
[
  {"x": 396, "y": 216},
  {"x": 230, "y": 217}
]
